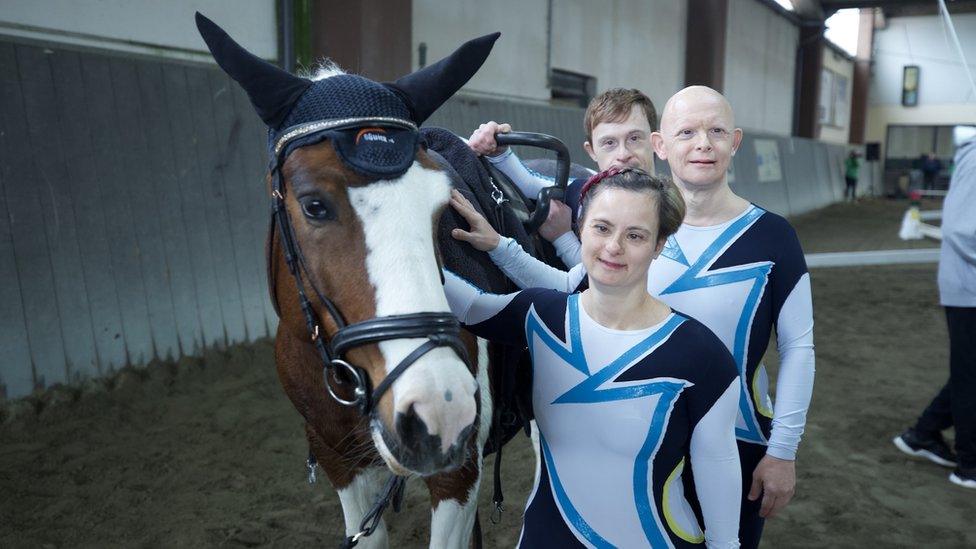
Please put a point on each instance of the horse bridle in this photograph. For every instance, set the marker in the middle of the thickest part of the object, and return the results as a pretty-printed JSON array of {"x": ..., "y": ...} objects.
[{"x": 440, "y": 329}]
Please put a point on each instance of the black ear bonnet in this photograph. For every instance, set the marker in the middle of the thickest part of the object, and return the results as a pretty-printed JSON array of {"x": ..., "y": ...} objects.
[
  {"x": 368, "y": 124},
  {"x": 373, "y": 127}
]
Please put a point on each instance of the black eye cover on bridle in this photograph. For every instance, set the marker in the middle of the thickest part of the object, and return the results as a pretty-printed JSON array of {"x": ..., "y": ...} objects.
[{"x": 373, "y": 152}]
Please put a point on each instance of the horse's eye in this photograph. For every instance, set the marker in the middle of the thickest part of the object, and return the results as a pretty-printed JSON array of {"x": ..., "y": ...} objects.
[{"x": 316, "y": 209}]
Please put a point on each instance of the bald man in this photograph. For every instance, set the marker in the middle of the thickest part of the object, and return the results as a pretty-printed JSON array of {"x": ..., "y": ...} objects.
[{"x": 733, "y": 266}]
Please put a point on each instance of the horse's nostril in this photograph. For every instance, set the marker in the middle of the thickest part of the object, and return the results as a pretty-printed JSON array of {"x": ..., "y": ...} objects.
[
  {"x": 414, "y": 434},
  {"x": 421, "y": 451}
]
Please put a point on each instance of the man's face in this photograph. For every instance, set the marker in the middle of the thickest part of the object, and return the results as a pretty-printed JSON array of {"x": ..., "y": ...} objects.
[
  {"x": 698, "y": 140},
  {"x": 626, "y": 143}
]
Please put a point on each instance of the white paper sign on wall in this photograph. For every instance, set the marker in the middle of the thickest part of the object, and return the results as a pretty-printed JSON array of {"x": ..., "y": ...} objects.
[{"x": 767, "y": 159}]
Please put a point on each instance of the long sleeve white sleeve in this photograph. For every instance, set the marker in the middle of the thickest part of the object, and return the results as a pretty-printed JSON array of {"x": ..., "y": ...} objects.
[
  {"x": 528, "y": 181},
  {"x": 528, "y": 272},
  {"x": 794, "y": 382},
  {"x": 469, "y": 303},
  {"x": 716, "y": 470},
  {"x": 568, "y": 249}
]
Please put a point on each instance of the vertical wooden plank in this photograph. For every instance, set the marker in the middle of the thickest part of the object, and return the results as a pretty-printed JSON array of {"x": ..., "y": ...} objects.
[
  {"x": 211, "y": 191},
  {"x": 239, "y": 197},
  {"x": 16, "y": 372},
  {"x": 254, "y": 151},
  {"x": 27, "y": 226},
  {"x": 84, "y": 186},
  {"x": 139, "y": 194},
  {"x": 168, "y": 201},
  {"x": 119, "y": 220},
  {"x": 192, "y": 205},
  {"x": 44, "y": 134}
]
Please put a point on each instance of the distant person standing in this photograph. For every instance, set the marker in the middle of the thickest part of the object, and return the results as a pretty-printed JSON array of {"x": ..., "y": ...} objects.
[
  {"x": 955, "y": 405},
  {"x": 852, "y": 167},
  {"x": 931, "y": 166}
]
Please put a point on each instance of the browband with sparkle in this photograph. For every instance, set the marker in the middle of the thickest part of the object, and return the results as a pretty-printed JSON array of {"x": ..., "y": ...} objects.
[{"x": 302, "y": 130}]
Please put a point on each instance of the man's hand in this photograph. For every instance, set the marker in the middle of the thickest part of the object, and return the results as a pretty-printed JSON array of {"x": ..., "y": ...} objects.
[
  {"x": 775, "y": 479},
  {"x": 482, "y": 141},
  {"x": 482, "y": 236},
  {"x": 558, "y": 222}
]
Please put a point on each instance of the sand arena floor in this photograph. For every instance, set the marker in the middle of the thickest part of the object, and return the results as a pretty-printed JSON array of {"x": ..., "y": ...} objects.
[{"x": 208, "y": 452}]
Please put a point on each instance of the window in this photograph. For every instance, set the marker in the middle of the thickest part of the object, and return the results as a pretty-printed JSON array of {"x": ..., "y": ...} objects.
[
  {"x": 571, "y": 88},
  {"x": 833, "y": 107}
]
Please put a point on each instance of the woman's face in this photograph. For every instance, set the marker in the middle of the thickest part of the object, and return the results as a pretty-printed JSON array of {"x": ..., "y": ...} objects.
[{"x": 619, "y": 238}]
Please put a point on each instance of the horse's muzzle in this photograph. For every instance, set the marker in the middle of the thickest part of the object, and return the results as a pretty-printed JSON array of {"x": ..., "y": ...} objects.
[{"x": 419, "y": 451}]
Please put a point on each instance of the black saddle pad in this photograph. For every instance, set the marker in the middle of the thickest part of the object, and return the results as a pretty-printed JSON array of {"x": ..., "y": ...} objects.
[{"x": 471, "y": 178}]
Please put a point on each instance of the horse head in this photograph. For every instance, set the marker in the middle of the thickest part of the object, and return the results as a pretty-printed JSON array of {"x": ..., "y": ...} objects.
[{"x": 353, "y": 263}]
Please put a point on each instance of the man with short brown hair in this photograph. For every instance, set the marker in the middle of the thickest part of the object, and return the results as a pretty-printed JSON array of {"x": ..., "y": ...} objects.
[{"x": 615, "y": 105}]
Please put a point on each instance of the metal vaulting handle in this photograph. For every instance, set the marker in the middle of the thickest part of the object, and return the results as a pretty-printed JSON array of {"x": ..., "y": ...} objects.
[{"x": 558, "y": 190}]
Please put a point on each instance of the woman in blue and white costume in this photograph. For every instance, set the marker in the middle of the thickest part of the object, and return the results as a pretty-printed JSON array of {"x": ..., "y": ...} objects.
[
  {"x": 624, "y": 388},
  {"x": 732, "y": 265}
]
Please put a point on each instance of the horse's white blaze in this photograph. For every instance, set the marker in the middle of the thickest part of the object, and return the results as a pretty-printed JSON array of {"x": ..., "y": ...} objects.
[
  {"x": 487, "y": 406},
  {"x": 357, "y": 499},
  {"x": 397, "y": 218},
  {"x": 451, "y": 523}
]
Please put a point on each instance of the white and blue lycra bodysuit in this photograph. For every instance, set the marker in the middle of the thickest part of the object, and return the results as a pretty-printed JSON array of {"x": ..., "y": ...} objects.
[
  {"x": 618, "y": 413},
  {"x": 740, "y": 278}
]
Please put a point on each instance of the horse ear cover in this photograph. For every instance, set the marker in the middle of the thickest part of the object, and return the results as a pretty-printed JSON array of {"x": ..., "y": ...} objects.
[{"x": 272, "y": 91}]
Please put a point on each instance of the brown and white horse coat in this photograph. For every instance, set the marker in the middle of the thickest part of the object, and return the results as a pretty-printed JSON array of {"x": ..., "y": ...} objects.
[{"x": 367, "y": 242}]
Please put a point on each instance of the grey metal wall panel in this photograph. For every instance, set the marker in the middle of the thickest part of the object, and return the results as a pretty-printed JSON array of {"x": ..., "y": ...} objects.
[
  {"x": 254, "y": 162},
  {"x": 167, "y": 202},
  {"x": 22, "y": 187},
  {"x": 140, "y": 196},
  {"x": 56, "y": 203},
  {"x": 776, "y": 194},
  {"x": 822, "y": 169},
  {"x": 835, "y": 166},
  {"x": 746, "y": 182},
  {"x": 210, "y": 190},
  {"x": 84, "y": 186},
  {"x": 16, "y": 375},
  {"x": 804, "y": 188},
  {"x": 228, "y": 127},
  {"x": 189, "y": 180},
  {"x": 119, "y": 221}
]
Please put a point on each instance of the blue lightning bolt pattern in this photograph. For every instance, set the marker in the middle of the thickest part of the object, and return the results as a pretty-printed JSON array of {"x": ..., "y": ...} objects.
[
  {"x": 588, "y": 391},
  {"x": 673, "y": 251},
  {"x": 697, "y": 277}
]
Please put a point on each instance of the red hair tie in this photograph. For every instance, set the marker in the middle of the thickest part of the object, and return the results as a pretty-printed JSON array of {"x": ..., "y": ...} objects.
[{"x": 596, "y": 178}]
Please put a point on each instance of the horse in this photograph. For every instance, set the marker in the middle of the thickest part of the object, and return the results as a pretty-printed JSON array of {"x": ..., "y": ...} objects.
[{"x": 366, "y": 347}]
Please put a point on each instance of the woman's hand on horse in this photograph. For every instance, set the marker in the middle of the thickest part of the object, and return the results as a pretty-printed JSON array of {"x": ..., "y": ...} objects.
[
  {"x": 482, "y": 141},
  {"x": 481, "y": 234}
]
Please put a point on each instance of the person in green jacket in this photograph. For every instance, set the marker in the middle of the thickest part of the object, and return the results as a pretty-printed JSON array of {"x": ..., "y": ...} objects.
[{"x": 852, "y": 165}]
